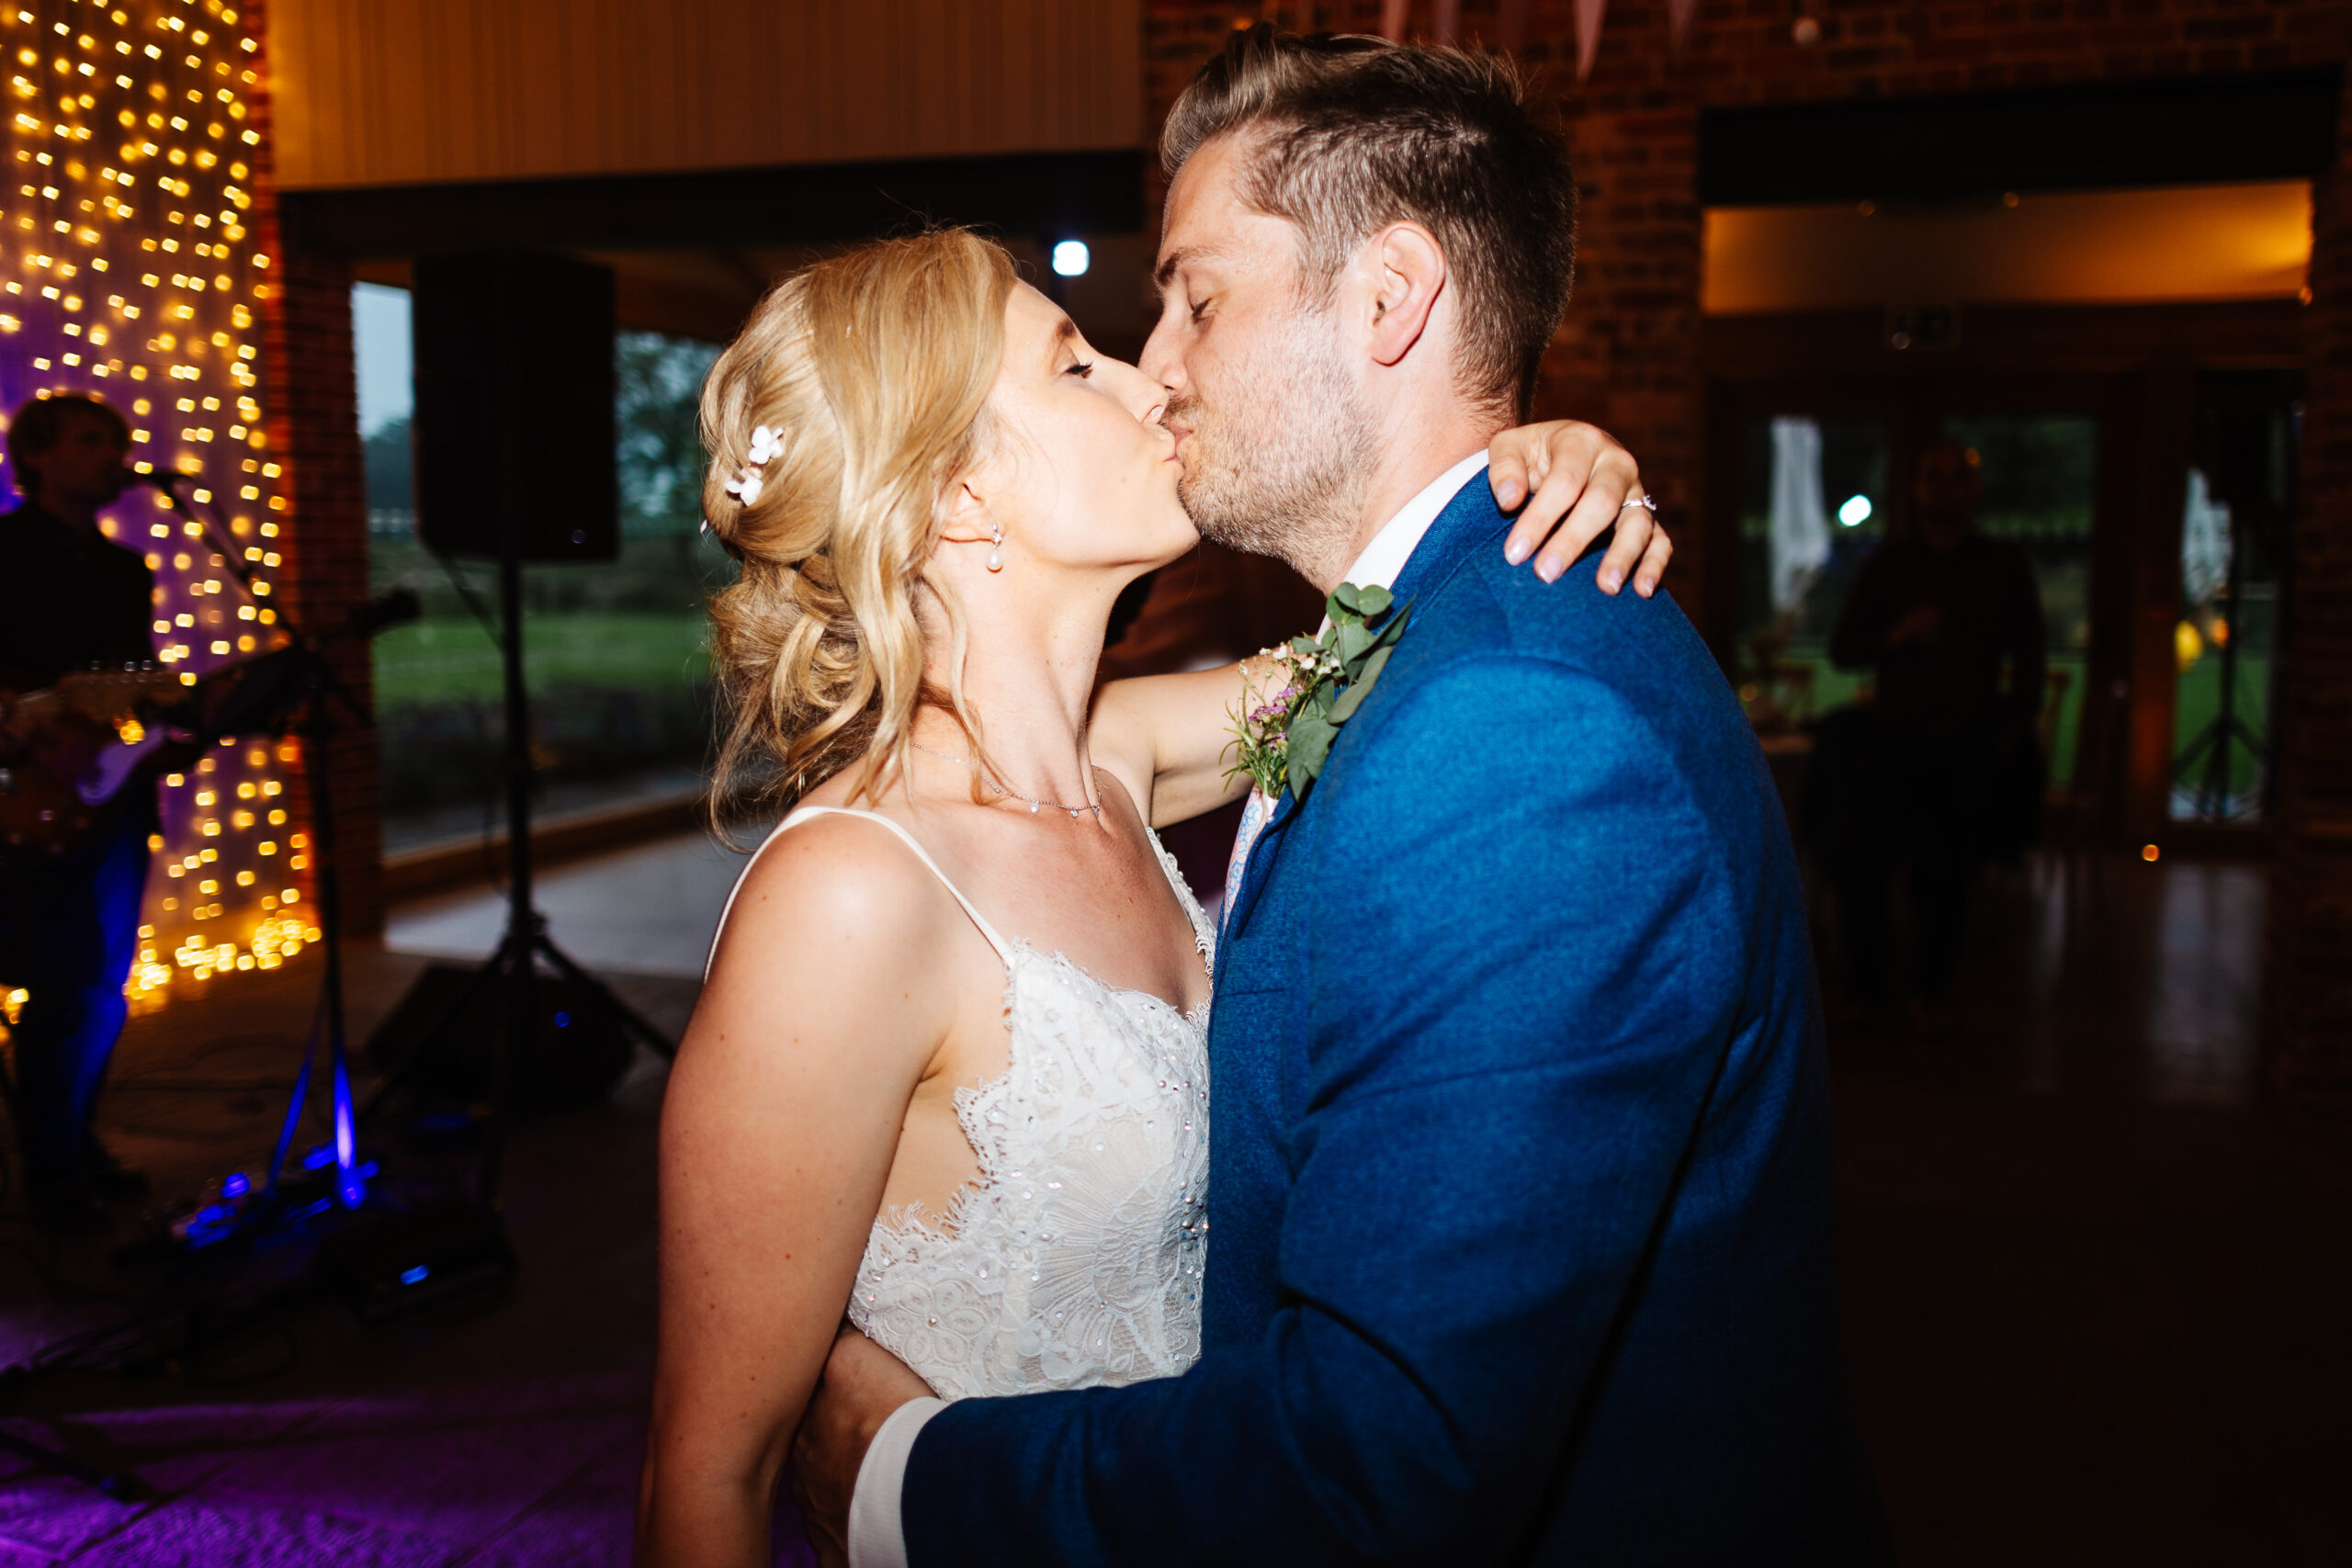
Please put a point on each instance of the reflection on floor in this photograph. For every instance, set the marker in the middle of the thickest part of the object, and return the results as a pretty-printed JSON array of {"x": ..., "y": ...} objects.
[
  {"x": 2122, "y": 981},
  {"x": 2093, "y": 1291}
]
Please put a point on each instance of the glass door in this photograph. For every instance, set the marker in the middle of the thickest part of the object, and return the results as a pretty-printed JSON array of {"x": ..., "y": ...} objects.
[
  {"x": 1815, "y": 498},
  {"x": 1827, "y": 475},
  {"x": 2039, "y": 476},
  {"x": 2233, "y": 540}
]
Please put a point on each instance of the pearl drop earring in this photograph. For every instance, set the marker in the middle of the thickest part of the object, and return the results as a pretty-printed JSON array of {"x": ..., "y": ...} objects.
[{"x": 996, "y": 556}]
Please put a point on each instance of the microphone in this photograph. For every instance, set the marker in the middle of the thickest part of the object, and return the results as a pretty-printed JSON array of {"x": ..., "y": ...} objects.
[
  {"x": 160, "y": 479},
  {"x": 382, "y": 612}
]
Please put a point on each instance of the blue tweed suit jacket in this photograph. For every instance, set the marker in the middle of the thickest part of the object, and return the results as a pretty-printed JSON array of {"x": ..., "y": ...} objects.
[{"x": 1520, "y": 1192}]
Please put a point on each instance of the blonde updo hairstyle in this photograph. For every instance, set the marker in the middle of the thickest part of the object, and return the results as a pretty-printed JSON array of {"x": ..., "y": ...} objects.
[{"x": 874, "y": 369}]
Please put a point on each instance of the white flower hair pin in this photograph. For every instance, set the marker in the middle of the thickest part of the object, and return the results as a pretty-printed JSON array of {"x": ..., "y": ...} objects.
[{"x": 766, "y": 444}]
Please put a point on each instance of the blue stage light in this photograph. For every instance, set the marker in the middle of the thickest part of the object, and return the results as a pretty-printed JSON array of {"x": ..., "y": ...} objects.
[
  {"x": 350, "y": 1184},
  {"x": 414, "y": 1275}
]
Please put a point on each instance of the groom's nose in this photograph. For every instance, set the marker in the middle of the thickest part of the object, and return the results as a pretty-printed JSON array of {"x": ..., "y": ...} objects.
[
  {"x": 1159, "y": 359},
  {"x": 1141, "y": 394}
]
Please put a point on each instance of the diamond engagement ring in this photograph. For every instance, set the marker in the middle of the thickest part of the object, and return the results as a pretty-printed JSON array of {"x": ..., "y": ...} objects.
[{"x": 1643, "y": 502}]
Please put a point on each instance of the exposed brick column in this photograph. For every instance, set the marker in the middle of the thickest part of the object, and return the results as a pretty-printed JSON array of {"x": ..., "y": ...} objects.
[
  {"x": 1627, "y": 356},
  {"x": 2307, "y": 989},
  {"x": 310, "y": 394}
]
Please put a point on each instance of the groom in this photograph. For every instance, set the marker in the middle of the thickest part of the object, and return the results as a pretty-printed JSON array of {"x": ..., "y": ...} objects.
[{"x": 1521, "y": 1163}]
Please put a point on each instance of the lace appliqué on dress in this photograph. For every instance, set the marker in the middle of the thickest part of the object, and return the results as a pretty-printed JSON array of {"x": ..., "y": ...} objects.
[{"x": 1075, "y": 1259}]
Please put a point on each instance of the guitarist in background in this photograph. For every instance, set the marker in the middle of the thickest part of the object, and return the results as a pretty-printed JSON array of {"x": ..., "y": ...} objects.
[{"x": 70, "y": 597}]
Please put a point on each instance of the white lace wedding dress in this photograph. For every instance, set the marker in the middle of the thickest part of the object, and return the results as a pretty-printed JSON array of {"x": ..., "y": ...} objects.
[{"x": 1076, "y": 1259}]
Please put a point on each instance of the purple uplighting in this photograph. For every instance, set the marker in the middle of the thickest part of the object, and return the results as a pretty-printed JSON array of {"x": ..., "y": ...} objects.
[{"x": 537, "y": 1473}]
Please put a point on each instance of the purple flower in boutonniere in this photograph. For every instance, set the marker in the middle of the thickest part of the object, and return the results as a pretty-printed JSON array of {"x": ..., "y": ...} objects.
[{"x": 1292, "y": 710}]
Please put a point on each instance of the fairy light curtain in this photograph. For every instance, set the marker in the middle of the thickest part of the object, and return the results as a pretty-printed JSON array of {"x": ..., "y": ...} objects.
[{"x": 129, "y": 268}]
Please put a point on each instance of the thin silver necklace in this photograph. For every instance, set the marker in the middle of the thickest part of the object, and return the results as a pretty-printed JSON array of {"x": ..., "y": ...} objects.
[{"x": 1036, "y": 805}]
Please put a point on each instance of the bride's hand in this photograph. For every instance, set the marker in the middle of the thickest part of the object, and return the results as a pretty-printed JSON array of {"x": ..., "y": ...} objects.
[{"x": 1576, "y": 480}]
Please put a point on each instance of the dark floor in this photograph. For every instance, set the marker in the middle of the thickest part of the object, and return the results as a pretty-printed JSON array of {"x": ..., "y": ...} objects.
[
  {"x": 2094, "y": 1293},
  {"x": 504, "y": 1434}
]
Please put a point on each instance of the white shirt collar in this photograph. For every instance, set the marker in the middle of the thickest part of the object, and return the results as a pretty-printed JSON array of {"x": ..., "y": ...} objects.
[{"x": 1383, "y": 558}]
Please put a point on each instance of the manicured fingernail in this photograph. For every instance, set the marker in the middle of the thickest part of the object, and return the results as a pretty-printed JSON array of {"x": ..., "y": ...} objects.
[
  {"x": 1549, "y": 570},
  {"x": 1515, "y": 550},
  {"x": 1612, "y": 580}
]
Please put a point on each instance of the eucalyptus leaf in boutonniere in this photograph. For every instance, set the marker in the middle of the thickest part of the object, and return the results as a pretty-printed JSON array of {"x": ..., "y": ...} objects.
[{"x": 1292, "y": 710}]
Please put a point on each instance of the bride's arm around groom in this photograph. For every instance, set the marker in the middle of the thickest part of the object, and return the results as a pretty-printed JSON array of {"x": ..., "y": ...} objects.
[
  {"x": 1520, "y": 1210},
  {"x": 1520, "y": 1182}
]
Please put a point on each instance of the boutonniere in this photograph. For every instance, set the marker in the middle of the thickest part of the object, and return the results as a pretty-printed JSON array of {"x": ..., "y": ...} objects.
[{"x": 1292, "y": 709}]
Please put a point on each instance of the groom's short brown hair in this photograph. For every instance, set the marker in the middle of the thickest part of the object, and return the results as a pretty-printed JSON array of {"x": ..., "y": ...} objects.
[{"x": 1348, "y": 135}]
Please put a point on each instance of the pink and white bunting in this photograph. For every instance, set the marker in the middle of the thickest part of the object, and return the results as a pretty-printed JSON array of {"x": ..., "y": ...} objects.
[{"x": 1395, "y": 16}]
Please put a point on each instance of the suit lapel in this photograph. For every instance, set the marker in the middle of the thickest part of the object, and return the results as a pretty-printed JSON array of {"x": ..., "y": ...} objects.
[{"x": 1471, "y": 517}]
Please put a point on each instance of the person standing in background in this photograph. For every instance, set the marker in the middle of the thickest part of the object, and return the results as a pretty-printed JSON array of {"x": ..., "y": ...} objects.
[
  {"x": 1951, "y": 621},
  {"x": 69, "y": 598}
]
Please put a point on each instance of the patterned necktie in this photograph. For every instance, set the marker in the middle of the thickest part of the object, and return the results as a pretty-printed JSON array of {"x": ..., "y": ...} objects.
[{"x": 1254, "y": 815}]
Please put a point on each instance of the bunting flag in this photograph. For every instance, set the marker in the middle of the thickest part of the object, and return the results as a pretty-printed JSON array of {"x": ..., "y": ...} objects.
[
  {"x": 1589, "y": 14},
  {"x": 1511, "y": 24}
]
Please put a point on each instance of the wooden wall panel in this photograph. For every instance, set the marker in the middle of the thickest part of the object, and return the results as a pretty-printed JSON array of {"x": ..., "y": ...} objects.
[{"x": 383, "y": 92}]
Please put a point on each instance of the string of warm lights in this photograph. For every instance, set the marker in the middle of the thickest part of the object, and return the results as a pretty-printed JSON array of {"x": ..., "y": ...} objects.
[{"x": 131, "y": 270}]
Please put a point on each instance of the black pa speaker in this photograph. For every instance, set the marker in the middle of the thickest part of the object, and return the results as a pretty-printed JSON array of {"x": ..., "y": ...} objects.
[
  {"x": 439, "y": 1040},
  {"x": 513, "y": 435}
]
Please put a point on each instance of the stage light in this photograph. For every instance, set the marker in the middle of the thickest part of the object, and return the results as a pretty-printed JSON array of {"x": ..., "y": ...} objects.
[
  {"x": 1855, "y": 512},
  {"x": 2149, "y": 852},
  {"x": 1072, "y": 258}
]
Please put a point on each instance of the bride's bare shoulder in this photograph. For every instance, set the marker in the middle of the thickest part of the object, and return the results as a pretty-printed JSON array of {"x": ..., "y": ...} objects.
[
  {"x": 835, "y": 894},
  {"x": 827, "y": 1002}
]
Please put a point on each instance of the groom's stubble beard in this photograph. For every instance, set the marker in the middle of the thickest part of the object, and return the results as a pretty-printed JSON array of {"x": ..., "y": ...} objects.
[{"x": 1281, "y": 459}]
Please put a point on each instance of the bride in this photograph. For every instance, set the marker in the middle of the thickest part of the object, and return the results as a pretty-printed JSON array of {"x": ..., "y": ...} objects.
[{"x": 949, "y": 1072}]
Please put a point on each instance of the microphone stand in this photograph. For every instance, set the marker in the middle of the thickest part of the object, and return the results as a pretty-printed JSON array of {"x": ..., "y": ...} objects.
[{"x": 324, "y": 689}]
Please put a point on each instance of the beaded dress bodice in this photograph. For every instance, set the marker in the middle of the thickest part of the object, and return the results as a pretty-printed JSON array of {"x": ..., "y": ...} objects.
[{"x": 1075, "y": 1259}]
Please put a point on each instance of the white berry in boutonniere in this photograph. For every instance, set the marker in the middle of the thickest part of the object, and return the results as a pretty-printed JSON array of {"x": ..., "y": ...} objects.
[{"x": 1292, "y": 708}]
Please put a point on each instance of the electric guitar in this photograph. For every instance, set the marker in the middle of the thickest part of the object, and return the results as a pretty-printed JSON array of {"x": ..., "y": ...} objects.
[{"x": 43, "y": 813}]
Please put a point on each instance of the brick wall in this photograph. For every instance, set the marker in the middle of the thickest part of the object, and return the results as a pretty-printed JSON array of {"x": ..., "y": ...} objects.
[
  {"x": 2307, "y": 993},
  {"x": 310, "y": 394},
  {"x": 1629, "y": 355}
]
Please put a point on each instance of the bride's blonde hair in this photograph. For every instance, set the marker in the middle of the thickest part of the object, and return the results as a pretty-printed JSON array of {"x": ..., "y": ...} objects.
[{"x": 873, "y": 370}]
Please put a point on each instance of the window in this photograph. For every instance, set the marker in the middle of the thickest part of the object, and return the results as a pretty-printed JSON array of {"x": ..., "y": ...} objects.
[
  {"x": 2233, "y": 542},
  {"x": 617, "y": 653}
]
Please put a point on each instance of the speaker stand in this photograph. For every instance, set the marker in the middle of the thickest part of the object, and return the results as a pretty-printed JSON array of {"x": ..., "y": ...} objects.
[{"x": 515, "y": 968}]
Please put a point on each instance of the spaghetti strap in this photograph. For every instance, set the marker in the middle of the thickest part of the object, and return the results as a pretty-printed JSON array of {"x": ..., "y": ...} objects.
[{"x": 802, "y": 814}]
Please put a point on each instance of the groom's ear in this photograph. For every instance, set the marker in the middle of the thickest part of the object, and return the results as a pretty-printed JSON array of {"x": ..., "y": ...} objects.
[{"x": 1409, "y": 275}]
